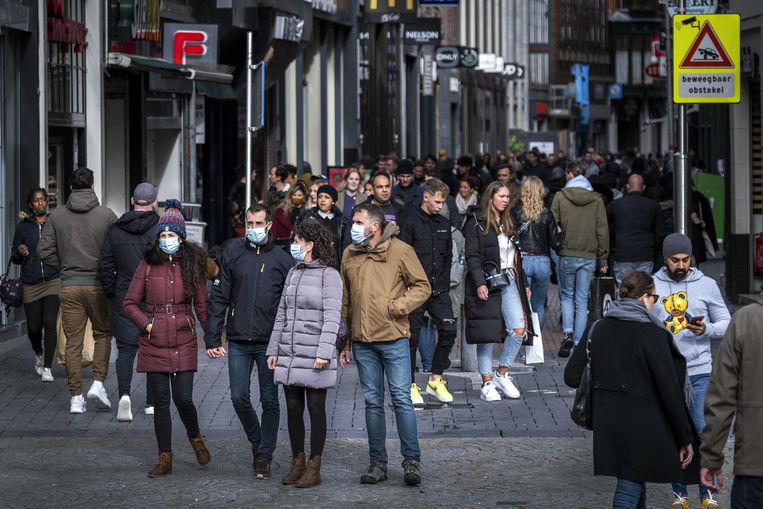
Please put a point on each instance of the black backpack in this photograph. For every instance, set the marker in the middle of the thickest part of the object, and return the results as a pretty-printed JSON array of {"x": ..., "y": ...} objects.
[{"x": 11, "y": 290}]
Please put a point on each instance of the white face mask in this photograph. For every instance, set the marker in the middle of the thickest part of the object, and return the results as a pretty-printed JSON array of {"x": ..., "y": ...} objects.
[
  {"x": 257, "y": 235},
  {"x": 169, "y": 245},
  {"x": 358, "y": 234}
]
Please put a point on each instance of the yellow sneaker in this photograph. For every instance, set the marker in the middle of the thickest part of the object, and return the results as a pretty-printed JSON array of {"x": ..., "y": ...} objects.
[
  {"x": 709, "y": 503},
  {"x": 679, "y": 502},
  {"x": 416, "y": 398},
  {"x": 439, "y": 389}
]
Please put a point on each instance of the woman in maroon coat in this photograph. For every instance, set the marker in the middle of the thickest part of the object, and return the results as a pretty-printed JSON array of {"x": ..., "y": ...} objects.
[{"x": 171, "y": 281}]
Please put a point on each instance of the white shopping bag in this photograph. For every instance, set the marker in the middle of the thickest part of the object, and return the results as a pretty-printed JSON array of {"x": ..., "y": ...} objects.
[{"x": 534, "y": 353}]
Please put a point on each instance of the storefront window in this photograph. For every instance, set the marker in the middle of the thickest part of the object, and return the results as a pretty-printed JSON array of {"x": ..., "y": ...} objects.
[{"x": 66, "y": 62}]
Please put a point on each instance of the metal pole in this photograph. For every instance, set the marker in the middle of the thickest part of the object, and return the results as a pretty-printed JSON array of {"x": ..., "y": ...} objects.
[
  {"x": 669, "y": 76},
  {"x": 249, "y": 70},
  {"x": 681, "y": 181},
  {"x": 402, "y": 95}
]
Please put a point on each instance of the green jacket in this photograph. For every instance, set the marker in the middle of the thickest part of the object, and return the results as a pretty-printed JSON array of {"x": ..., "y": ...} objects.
[
  {"x": 583, "y": 219},
  {"x": 736, "y": 388}
]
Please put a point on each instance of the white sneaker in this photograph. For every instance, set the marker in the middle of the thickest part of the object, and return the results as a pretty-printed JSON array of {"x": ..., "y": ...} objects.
[
  {"x": 504, "y": 384},
  {"x": 77, "y": 405},
  {"x": 488, "y": 392},
  {"x": 38, "y": 364},
  {"x": 149, "y": 410},
  {"x": 124, "y": 409},
  {"x": 47, "y": 375},
  {"x": 97, "y": 394}
]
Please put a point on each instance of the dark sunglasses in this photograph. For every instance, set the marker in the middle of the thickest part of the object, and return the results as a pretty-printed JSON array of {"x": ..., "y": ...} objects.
[{"x": 654, "y": 297}]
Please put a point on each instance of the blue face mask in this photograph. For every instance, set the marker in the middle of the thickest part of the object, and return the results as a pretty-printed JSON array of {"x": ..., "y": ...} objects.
[
  {"x": 358, "y": 234},
  {"x": 256, "y": 235},
  {"x": 296, "y": 252},
  {"x": 169, "y": 246}
]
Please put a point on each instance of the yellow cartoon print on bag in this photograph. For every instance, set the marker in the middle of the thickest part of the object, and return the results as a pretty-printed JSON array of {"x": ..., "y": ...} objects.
[{"x": 677, "y": 318}]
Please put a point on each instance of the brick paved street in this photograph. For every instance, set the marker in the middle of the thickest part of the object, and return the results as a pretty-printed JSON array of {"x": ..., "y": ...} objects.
[{"x": 522, "y": 453}]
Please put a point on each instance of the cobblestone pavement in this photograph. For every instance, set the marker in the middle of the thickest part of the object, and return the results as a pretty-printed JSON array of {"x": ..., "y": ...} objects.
[{"x": 513, "y": 453}]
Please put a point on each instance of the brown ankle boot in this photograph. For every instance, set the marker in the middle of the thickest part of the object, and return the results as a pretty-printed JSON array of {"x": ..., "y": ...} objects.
[
  {"x": 163, "y": 465},
  {"x": 202, "y": 453},
  {"x": 297, "y": 469},
  {"x": 312, "y": 475}
]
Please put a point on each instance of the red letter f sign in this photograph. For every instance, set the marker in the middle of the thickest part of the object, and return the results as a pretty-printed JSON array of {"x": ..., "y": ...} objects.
[{"x": 188, "y": 42}]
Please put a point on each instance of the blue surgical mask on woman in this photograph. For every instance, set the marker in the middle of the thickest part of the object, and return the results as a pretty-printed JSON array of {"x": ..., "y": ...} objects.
[
  {"x": 297, "y": 253},
  {"x": 170, "y": 245},
  {"x": 358, "y": 233},
  {"x": 256, "y": 235}
]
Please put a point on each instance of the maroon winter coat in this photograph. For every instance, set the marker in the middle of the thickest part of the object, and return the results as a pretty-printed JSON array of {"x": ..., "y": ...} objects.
[{"x": 171, "y": 346}]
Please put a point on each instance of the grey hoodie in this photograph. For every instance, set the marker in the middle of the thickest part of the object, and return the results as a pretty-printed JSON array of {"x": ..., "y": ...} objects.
[
  {"x": 680, "y": 301},
  {"x": 72, "y": 238}
]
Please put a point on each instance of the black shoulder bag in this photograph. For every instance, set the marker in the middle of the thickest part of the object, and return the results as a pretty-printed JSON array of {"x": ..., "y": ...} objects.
[
  {"x": 581, "y": 412},
  {"x": 11, "y": 290}
]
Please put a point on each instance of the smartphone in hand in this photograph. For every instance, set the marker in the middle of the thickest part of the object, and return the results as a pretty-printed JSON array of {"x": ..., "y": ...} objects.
[{"x": 696, "y": 320}]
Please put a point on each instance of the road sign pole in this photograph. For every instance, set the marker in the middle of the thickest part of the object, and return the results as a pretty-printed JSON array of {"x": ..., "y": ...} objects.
[
  {"x": 249, "y": 98},
  {"x": 681, "y": 178},
  {"x": 669, "y": 79}
]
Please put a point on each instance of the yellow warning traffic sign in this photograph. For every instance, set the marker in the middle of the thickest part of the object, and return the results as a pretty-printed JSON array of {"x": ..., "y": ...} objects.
[{"x": 706, "y": 58}]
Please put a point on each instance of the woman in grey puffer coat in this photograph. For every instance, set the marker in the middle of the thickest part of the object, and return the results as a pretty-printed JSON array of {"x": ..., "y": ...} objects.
[{"x": 302, "y": 348}]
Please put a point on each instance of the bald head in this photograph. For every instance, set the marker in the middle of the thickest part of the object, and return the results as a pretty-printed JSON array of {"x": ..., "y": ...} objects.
[{"x": 636, "y": 183}]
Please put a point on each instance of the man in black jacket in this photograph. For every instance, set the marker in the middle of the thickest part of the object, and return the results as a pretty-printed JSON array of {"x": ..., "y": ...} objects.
[
  {"x": 121, "y": 253},
  {"x": 635, "y": 224},
  {"x": 246, "y": 293},
  {"x": 429, "y": 234},
  {"x": 382, "y": 198}
]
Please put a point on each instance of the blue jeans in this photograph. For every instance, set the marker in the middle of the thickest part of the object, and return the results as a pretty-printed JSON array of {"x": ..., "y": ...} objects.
[
  {"x": 622, "y": 269},
  {"x": 242, "y": 357},
  {"x": 393, "y": 360},
  {"x": 629, "y": 495},
  {"x": 538, "y": 271},
  {"x": 747, "y": 492},
  {"x": 511, "y": 309},
  {"x": 699, "y": 385},
  {"x": 427, "y": 343},
  {"x": 575, "y": 275}
]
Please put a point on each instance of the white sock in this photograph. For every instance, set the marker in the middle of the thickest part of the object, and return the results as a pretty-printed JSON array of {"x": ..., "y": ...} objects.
[{"x": 97, "y": 384}]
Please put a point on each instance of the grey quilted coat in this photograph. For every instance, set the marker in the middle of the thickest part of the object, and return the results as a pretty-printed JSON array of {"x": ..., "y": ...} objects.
[{"x": 306, "y": 326}]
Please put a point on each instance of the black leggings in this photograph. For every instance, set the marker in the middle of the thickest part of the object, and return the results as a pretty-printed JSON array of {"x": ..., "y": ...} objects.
[
  {"x": 295, "y": 409},
  {"x": 182, "y": 394},
  {"x": 42, "y": 314}
]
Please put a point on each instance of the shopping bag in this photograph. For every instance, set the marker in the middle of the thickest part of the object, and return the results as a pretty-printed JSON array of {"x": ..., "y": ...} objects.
[
  {"x": 88, "y": 344},
  {"x": 601, "y": 296},
  {"x": 534, "y": 352}
]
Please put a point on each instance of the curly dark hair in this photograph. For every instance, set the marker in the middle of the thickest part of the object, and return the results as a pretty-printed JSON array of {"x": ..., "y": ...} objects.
[
  {"x": 323, "y": 243},
  {"x": 193, "y": 264},
  {"x": 30, "y": 196}
]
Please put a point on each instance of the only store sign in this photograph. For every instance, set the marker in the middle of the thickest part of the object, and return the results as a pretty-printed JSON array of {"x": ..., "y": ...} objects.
[{"x": 706, "y": 58}]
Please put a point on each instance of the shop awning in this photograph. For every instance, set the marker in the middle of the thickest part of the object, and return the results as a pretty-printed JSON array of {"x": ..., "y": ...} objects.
[
  {"x": 215, "y": 90},
  {"x": 170, "y": 70}
]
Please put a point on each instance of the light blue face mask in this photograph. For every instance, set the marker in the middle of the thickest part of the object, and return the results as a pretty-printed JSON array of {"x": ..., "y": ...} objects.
[
  {"x": 357, "y": 233},
  {"x": 297, "y": 253},
  {"x": 256, "y": 235},
  {"x": 169, "y": 246}
]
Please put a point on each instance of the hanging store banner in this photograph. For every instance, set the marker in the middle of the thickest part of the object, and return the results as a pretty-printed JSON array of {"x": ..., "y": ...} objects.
[
  {"x": 707, "y": 59},
  {"x": 391, "y": 11},
  {"x": 448, "y": 57},
  {"x": 423, "y": 31},
  {"x": 190, "y": 43}
]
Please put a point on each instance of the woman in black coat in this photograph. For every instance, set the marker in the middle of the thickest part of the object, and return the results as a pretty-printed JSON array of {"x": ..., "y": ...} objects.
[
  {"x": 641, "y": 427},
  {"x": 490, "y": 241},
  {"x": 41, "y": 284}
]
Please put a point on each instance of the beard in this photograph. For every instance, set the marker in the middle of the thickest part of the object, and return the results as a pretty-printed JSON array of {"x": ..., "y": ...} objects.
[{"x": 678, "y": 274}]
